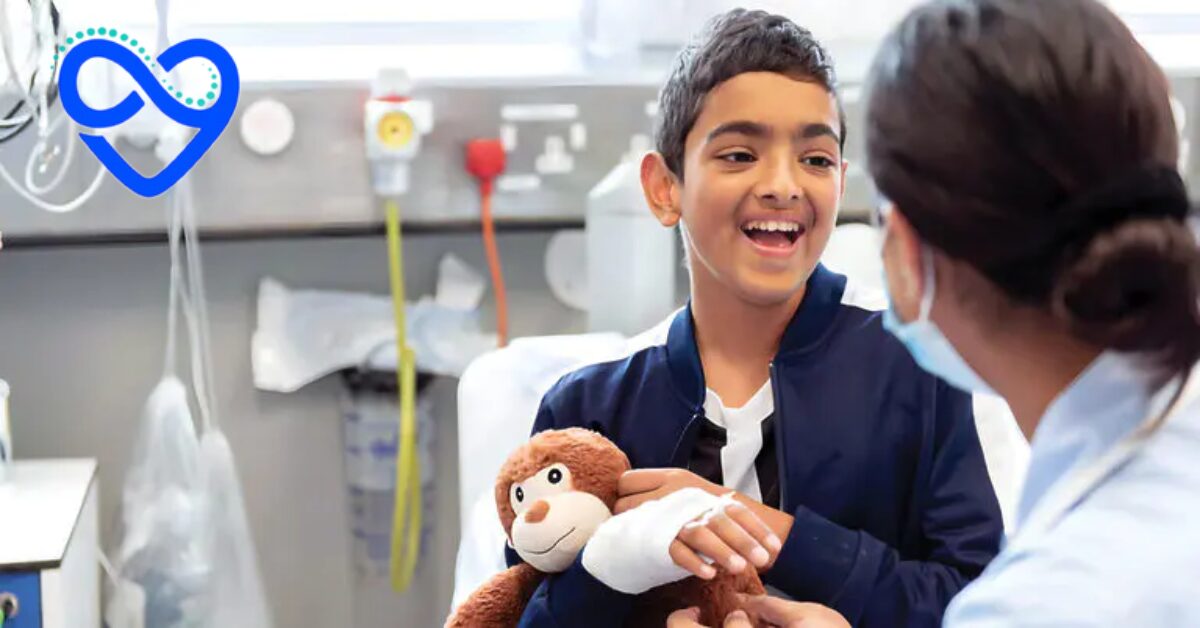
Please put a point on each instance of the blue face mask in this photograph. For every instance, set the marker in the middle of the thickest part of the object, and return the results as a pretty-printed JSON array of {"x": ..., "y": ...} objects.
[{"x": 928, "y": 346}]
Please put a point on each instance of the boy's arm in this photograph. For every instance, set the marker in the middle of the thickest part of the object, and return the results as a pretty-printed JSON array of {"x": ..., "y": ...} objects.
[
  {"x": 860, "y": 576},
  {"x": 866, "y": 580}
]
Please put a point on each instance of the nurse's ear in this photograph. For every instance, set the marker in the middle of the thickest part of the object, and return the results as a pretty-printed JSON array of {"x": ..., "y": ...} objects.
[
  {"x": 903, "y": 263},
  {"x": 661, "y": 188}
]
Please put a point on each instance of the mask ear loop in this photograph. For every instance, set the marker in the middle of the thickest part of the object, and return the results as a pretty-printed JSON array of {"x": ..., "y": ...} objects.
[
  {"x": 884, "y": 208},
  {"x": 930, "y": 287}
]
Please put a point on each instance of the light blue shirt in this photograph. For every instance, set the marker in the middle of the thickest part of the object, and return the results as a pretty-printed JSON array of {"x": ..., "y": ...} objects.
[{"x": 1128, "y": 553}]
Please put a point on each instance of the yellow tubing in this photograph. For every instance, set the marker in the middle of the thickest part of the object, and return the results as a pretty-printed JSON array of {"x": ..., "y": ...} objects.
[{"x": 406, "y": 516}]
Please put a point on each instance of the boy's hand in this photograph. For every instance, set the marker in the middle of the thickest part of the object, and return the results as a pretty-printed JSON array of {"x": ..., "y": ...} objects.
[
  {"x": 731, "y": 535},
  {"x": 642, "y": 485}
]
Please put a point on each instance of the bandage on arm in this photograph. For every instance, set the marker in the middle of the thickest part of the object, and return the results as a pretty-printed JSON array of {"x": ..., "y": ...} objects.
[{"x": 630, "y": 552}]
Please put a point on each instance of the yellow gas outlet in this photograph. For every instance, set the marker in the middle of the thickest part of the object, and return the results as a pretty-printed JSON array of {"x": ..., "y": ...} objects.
[{"x": 395, "y": 129}]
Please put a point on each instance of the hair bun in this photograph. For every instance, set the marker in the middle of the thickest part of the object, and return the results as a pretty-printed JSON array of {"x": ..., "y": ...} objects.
[{"x": 1135, "y": 288}]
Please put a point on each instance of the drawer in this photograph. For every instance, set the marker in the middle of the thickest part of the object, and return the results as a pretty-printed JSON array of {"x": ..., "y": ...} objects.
[{"x": 27, "y": 587}]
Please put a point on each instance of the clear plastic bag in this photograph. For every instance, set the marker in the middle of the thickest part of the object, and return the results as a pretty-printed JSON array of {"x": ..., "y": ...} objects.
[
  {"x": 235, "y": 583},
  {"x": 303, "y": 335},
  {"x": 186, "y": 558},
  {"x": 161, "y": 562}
]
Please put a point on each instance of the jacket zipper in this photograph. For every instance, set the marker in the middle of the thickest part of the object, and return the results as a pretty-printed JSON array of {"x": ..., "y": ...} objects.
[
  {"x": 780, "y": 452},
  {"x": 687, "y": 438}
]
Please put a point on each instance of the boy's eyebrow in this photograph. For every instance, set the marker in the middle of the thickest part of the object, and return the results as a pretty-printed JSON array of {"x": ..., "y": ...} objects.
[
  {"x": 759, "y": 130},
  {"x": 740, "y": 127},
  {"x": 814, "y": 130}
]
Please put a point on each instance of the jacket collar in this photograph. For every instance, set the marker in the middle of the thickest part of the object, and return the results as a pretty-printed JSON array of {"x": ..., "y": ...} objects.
[{"x": 822, "y": 298}]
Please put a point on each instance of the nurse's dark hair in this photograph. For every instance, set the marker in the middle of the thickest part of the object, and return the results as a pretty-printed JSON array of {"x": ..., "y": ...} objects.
[
  {"x": 1034, "y": 140},
  {"x": 734, "y": 43}
]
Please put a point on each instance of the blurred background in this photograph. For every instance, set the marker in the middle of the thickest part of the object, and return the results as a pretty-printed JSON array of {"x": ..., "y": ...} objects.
[{"x": 343, "y": 107}]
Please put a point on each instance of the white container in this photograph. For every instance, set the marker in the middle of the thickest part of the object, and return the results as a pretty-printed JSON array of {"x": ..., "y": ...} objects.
[
  {"x": 5, "y": 432},
  {"x": 631, "y": 256}
]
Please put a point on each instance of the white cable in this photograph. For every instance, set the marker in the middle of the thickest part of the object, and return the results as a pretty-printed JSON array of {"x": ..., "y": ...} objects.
[
  {"x": 38, "y": 108},
  {"x": 163, "y": 9},
  {"x": 6, "y": 44},
  {"x": 191, "y": 299},
  {"x": 43, "y": 115},
  {"x": 191, "y": 320},
  {"x": 174, "y": 233},
  {"x": 187, "y": 295},
  {"x": 51, "y": 207},
  {"x": 17, "y": 120},
  {"x": 199, "y": 299},
  {"x": 40, "y": 149}
]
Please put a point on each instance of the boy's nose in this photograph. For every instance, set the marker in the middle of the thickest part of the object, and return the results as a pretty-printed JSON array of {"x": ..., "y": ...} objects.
[
  {"x": 782, "y": 200},
  {"x": 780, "y": 188},
  {"x": 537, "y": 512}
]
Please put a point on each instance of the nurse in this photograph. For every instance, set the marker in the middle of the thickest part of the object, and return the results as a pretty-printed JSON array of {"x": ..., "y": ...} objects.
[{"x": 1036, "y": 244}]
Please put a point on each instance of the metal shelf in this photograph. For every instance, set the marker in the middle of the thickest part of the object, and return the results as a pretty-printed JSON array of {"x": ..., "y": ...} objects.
[{"x": 128, "y": 238}]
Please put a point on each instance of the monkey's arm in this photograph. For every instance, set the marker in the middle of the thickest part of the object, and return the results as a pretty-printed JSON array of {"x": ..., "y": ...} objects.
[{"x": 499, "y": 602}]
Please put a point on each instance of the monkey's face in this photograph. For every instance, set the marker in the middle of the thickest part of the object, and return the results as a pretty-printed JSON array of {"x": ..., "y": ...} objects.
[{"x": 553, "y": 519}]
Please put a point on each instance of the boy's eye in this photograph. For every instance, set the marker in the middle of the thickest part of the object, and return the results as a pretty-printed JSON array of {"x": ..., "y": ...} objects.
[
  {"x": 737, "y": 157},
  {"x": 818, "y": 161}
]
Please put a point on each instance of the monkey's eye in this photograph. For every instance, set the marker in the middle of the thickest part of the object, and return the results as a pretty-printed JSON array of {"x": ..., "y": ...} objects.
[
  {"x": 520, "y": 494},
  {"x": 555, "y": 476}
]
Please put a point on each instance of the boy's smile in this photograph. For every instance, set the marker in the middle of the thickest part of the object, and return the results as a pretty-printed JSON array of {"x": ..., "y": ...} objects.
[{"x": 762, "y": 181}]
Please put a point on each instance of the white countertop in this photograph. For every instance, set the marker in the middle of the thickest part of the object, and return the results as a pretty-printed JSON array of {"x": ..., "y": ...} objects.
[{"x": 40, "y": 502}]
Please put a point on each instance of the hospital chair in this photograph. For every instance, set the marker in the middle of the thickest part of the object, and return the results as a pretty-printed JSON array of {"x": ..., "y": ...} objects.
[{"x": 499, "y": 394}]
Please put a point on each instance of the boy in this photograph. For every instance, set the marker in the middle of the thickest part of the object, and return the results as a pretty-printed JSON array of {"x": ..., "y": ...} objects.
[{"x": 775, "y": 381}]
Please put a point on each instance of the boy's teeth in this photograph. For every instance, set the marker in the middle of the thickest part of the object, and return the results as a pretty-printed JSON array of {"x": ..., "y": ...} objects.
[{"x": 772, "y": 225}]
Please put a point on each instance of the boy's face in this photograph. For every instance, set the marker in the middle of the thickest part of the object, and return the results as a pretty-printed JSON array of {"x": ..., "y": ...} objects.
[{"x": 762, "y": 181}]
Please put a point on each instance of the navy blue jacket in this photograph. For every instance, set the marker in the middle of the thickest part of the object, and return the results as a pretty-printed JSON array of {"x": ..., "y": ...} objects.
[{"x": 879, "y": 463}]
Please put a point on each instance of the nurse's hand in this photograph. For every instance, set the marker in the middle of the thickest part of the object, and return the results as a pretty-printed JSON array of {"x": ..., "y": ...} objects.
[
  {"x": 690, "y": 618},
  {"x": 731, "y": 534},
  {"x": 779, "y": 612}
]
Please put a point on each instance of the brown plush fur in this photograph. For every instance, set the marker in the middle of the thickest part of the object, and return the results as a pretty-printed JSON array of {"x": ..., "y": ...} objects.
[
  {"x": 715, "y": 598},
  {"x": 500, "y": 601},
  {"x": 596, "y": 465}
]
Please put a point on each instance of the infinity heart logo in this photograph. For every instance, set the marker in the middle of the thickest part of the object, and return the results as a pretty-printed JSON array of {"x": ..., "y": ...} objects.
[{"x": 209, "y": 114}]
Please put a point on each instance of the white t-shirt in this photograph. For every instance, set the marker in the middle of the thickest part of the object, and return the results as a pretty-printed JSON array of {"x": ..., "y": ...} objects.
[{"x": 743, "y": 429}]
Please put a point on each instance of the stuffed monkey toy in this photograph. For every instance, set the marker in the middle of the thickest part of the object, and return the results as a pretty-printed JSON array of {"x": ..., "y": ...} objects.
[{"x": 552, "y": 494}]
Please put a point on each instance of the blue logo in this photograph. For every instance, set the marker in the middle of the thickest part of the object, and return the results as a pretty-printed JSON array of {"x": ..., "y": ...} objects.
[{"x": 209, "y": 114}]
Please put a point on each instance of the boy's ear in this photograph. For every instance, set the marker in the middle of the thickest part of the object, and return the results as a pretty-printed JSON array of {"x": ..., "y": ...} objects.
[
  {"x": 845, "y": 169},
  {"x": 661, "y": 188}
]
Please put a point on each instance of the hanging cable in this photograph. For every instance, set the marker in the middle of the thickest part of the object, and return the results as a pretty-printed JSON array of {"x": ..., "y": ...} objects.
[
  {"x": 406, "y": 516},
  {"x": 485, "y": 161},
  {"x": 33, "y": 107},
  {"x": 27, "y": 100},
  {"x": 41, "y": 150}
]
